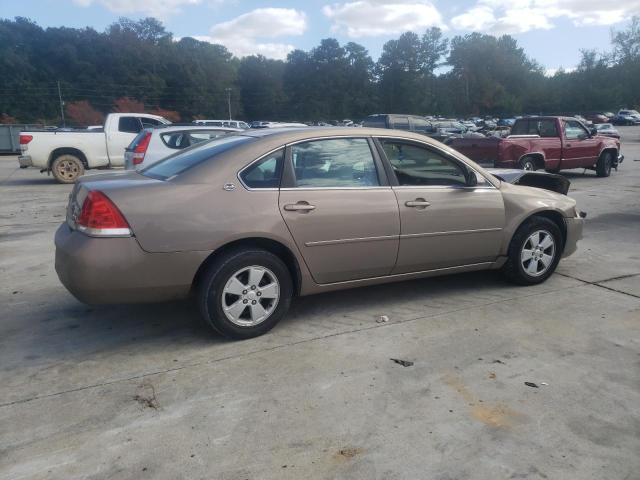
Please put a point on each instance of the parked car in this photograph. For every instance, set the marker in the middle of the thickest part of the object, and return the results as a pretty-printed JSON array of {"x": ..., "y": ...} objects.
[
  {"x": 596, "y": 118},
  {"x": 249, "y": 221},
  {"x": 154, "y": 144},
  {"x": 584, "y": 121},
  {"x": 506, "y": 122},
  {"x": 550, "y": 143},
  {"x": 626, "y": 117},
  {"x": 408, "y": 123},
  {"x": 67, "y": 154},
  {"x": 223, "y": 123},
  {"x": 608, "y": 130},
  {"x": 455, "y": 129}
]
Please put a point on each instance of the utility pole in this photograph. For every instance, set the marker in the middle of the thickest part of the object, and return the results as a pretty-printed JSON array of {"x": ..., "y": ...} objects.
[
  {"x": 64, "y": 123},
  {"x": 229, "y": 100}
]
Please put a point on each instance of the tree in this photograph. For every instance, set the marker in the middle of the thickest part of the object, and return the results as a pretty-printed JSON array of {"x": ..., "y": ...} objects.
[
  {"x": 128, "y": 105},
  {"x": 626, "y": 43},
  {"x": 170, "y": 115},
  {"x": 82, "y": 113}
]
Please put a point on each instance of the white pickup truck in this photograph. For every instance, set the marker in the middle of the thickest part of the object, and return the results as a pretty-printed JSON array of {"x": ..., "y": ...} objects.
[{"x": 68, "y": 153}]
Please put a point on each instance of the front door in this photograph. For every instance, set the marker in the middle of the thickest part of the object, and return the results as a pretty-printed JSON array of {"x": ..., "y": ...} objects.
[
  {"x": 445, "y": 222},
  {"x": 340, "y": 211},
  {"x": 580, "y": 149}
]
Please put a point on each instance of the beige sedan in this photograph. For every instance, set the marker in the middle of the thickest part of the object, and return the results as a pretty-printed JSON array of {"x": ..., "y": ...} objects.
[{"x": 247, "y": 222}]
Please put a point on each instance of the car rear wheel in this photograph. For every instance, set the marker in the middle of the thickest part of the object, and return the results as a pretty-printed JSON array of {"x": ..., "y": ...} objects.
[
  {"x": 245, "y": 293},
  {"x": 534, "y": 252},
  {"x": 528, "y": 163},
  {"x": 603, "y": 167},
  {"x": 67, "y": 168}
]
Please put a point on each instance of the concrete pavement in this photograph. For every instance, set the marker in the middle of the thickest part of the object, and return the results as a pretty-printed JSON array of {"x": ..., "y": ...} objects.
[{"x": 144, "y": 392}]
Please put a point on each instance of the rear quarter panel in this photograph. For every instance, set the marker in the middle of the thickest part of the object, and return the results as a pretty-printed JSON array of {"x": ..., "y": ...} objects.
[
  {"x": 513, "y": 149},
  {"x": 172, "y": 217},
  {"x": 480, "y": 150},
  {"x": 91, "y": 144}
]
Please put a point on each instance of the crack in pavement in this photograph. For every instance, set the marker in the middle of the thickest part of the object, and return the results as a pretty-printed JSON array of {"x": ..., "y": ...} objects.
[
  {"x": 284, "y": 345},
  {"x": 599, "y": 282}
]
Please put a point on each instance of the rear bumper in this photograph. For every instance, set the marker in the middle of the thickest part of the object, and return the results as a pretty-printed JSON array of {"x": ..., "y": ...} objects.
[
  {"x": 574, "y": 233},
  {"x": 25, "y": 161},
  {"x": 117, "y": 270}
]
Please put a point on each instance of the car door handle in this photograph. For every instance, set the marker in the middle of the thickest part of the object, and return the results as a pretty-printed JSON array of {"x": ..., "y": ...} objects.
[
  {"x": 567, "y": 145},
  {"x": 417, "y": 203},
  {"x": 299, "y": 207}
]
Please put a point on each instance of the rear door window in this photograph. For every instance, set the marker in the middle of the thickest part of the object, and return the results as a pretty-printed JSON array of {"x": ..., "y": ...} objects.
[
  {"x": 129, "y": 125},
  {"x": 266, "y": 172},
  {"x": 183, "y": 139},
  {"x": 420, "y": 125},
  {"x": 344, "y": 162},
  {"x": 400, "y": 123}
]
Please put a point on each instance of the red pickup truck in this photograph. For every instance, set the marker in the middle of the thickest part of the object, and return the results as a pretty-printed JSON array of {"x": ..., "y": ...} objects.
[{"x": 550, "y": 143}]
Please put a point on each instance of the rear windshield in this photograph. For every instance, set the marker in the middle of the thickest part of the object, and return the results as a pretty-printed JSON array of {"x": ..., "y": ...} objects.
[
  {"x": 545, "y": 128},
  {"x": 190, "y": 157}
]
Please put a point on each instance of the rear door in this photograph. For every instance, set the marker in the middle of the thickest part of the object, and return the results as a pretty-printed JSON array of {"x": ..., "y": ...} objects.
[
  {"x": 340, "y": 210},
  {"x": 580, "y": 149},
  {"x": 119, "y": 137},
  {"x": 445, "y": 223}
]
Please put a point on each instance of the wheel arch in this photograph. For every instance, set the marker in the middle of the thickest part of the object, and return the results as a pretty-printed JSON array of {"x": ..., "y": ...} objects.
[
  {"x": 537, "y": 157},
  {"x": 610, "y": 149},
  {"x": 67, "y": 151},
  {"x": 273, "y": 246},
  {"x": 553, "y": 215}
]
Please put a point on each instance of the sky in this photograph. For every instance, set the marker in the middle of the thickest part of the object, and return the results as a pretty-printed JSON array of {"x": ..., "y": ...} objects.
[{"x": 551, "y": 31}]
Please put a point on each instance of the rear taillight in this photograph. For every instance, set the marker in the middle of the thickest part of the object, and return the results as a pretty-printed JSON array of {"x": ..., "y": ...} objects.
[
  {"x": 141, "y": 148},
  {"x": 24, "y": 138},
  {"x": 100, "y": 217}
]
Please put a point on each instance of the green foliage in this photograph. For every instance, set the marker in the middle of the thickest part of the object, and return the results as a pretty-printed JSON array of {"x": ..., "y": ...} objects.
[{"x": 138, "y": 64}]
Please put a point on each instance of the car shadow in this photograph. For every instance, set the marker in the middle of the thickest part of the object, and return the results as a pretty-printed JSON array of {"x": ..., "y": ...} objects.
[{"x": 66, "y": 329}]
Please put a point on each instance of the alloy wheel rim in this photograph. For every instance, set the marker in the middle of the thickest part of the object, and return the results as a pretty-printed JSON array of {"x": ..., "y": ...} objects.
[
  {"x": 68, "y": 169},
  {"x": 528, "y": 166},
  {"x": 250, "y": 296},
  {"x": 538, "y": 253}
]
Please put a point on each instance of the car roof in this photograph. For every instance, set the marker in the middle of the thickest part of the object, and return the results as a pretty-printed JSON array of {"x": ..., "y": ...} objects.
[
  {"x": 190, "y": 126},
  {"x": 293, "y": 134},
  {"x": 268, "y": 139}
]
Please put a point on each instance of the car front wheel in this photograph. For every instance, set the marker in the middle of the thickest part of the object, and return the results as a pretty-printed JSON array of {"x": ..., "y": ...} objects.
[
  {"x": 534, "y": 251},
  {"x": 603, "y": 166},
  {"x": 245, "y": 293}
]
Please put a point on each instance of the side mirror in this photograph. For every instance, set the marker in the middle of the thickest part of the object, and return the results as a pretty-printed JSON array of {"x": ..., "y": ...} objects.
[{"x": 594, "y": 131}]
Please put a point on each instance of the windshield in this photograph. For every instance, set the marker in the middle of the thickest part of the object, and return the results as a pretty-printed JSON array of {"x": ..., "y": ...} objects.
[{"x": 190, "y": 157}]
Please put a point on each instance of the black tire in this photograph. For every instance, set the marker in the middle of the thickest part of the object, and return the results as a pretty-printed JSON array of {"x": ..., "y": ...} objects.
[
  {"x": 211, "y": 295},
  {"x": 514, "y": 269},
  {"x": 528, "y": 163},
  {"x": 67, "y": 168},
  {"x": 603, "y": 167}
]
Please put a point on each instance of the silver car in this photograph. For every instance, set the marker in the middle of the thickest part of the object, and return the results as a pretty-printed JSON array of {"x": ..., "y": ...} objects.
[{"x": 155, "y": 143}]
